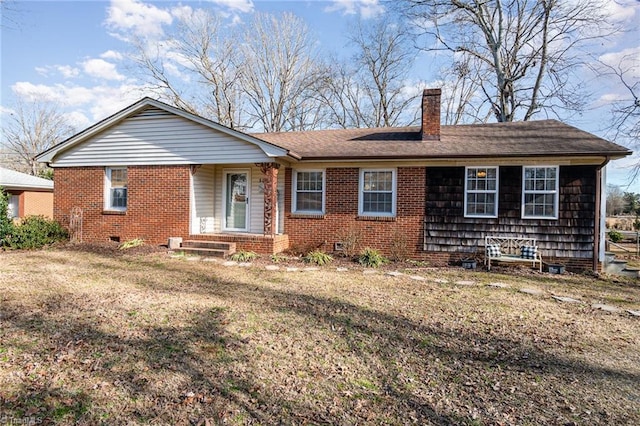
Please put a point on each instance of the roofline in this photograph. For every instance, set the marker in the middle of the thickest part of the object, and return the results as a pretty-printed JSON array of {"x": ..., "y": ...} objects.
[
  {"x": 49, "y": 154},
  {"x": 610, "y": 155},
  {"x": 14, "y": 187}
]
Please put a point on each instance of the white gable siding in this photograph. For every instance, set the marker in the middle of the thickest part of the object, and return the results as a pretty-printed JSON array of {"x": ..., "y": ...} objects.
[
  {"x": 158, "y": 137},
  {"x": 257, "y": 202},
  {"x": 202, "y": 200}
]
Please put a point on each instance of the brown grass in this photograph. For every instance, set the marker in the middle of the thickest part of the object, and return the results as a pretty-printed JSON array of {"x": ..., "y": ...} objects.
[{"x": 97, "y": 338}]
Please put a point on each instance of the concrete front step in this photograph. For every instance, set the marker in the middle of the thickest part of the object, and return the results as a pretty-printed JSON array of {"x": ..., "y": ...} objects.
[{"x": 208, "y": 248}]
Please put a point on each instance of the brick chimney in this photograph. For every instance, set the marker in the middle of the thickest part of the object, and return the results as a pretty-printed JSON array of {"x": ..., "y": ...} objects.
[{"x": 430, "y": 129}]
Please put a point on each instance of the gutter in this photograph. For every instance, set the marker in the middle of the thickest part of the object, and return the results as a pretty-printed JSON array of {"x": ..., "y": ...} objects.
[{"x": 598, "y": 215}]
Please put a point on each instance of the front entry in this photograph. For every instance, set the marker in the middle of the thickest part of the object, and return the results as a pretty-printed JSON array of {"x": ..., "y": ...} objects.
[{"x": 236, "y": 196}]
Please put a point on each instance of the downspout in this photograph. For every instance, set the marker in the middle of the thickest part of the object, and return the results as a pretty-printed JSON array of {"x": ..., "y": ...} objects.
[{"x": 598, "y": 215}]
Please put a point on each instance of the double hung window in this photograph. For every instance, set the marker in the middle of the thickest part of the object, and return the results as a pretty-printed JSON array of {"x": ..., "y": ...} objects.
[
  {"x": 481, "y": 192},
  {"x": 308, "y": 191},
  {"x": 116, "y": 188},
  {"x": 377, "y": 195},
  {"x": 540, "y": 192}
]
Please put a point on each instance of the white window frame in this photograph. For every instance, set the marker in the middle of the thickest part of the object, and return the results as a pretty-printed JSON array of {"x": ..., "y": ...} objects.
[
  {"x": 108, "y": 202},
  {"x": 468, "y": 191},
  {"x": 555, "y": 192},
  {"x": 394, "y": 194},
  {"x": 294, "y": 191}
]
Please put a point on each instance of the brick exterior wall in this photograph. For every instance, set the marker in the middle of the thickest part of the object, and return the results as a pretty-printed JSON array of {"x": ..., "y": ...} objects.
[
  {"x": 34, "y": 203},
  {"x": 261, "y": 244},
  {"x": 389, "y": 235},
  {"x": 158, "y": 203}
]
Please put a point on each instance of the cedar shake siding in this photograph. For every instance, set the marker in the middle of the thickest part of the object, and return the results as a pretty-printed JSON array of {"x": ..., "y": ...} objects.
[
  {"x": 569, "y": 239},
  {"x": 157, "y": 206},
  {"x": 387, "y": 234}
]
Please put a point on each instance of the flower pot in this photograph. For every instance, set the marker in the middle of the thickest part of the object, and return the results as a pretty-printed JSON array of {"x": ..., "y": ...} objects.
[
  {"x": 555, "y": 269},
  {"x": 469, "y": 264}
]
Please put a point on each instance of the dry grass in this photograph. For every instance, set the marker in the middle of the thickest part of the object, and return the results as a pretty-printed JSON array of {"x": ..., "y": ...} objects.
[{"x": 95, "y": 338}]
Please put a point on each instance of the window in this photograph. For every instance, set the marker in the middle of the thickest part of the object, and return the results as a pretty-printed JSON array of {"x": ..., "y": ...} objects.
[
  {"x": 116, "y": 189},
  {"x": 481, "y": 192},
  {"x": 14, "y": 207},
  {"x": 540, "y": 192},
  {"x": 377, "y": 193},
  {"x": 308, "y": 191}
]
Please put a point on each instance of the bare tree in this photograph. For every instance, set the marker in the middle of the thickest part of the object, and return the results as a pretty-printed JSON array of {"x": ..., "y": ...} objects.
[
  {"x": 281, "y": 73},
  {"x": 261, "y": 75},
  {"x": 384, "y": 55},
  {"x": 523, "y": 52},
  {"x": 615, "y": 200},
  {"x": 369, "y": 90},
  {"x": 32, "y": 128},
  {"x": 194, "y": 67},
  {"x": 626, "y": 110},
  {"x": 461, "y": 102}
]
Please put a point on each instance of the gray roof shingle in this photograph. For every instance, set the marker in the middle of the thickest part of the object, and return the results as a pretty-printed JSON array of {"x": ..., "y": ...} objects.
[
  {"x": 515, "y": 139},
  {"x": 10, "y": 179}
]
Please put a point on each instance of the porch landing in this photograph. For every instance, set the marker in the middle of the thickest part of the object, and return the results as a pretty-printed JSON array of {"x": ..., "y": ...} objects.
[{"x": 259, "y": 243}]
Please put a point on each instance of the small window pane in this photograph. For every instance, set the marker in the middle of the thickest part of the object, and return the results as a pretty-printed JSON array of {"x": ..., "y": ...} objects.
[
  {"x": 119, "y": 197},
  {"x": 376, "y": 202},
  {"x": 309, "y": 201}
]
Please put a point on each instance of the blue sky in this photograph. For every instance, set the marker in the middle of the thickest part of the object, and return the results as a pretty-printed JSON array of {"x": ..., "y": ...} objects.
[{"x": 68, "y": 51}]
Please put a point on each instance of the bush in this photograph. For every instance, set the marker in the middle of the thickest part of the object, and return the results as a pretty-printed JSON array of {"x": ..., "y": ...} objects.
[
  {"x": 137, "y": 242},
  {"x": 372, "y": 258},
  {"x": 615, "y": 236},
  {"x": 6, "y": 223},
  {"x": 35, "y": 232},
  {"x": 244, "y": 256},
  {"x": 318, "y": 257}
]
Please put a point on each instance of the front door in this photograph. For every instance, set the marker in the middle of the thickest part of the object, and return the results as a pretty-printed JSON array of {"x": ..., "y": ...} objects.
[{"x": 236, "y": 196}]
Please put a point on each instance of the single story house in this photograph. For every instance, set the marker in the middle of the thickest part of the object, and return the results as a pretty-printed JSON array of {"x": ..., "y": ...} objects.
[
  {"x": 427, "y": 192},
  {"x": 28, "y": 195}
]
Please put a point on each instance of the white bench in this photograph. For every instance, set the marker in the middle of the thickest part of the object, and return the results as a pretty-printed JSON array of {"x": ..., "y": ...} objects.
[{"x": 511, "y": 249}]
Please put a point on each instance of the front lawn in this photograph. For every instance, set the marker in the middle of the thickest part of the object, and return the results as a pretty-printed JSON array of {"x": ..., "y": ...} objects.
[{"x": 97, "y": 338}]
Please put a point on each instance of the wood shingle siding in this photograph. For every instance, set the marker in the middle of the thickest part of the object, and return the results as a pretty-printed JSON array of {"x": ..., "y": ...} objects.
[
  {"x": 569, "y": 236},
  {"x": 160, "y": 138}
]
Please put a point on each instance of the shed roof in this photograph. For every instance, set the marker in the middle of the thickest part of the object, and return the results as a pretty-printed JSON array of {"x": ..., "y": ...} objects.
[
  {"x": 11, "y": 179},
  {"x": 514, "y": 139}
]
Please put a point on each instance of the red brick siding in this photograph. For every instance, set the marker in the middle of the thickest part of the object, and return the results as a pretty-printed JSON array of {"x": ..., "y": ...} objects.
[
  {"x": 341, "y": 214},
  {"x": 158, "y": 203},
  {"x": 261, "y": 244}
]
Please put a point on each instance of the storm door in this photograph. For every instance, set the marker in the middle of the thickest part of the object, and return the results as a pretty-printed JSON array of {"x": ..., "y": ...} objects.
[{"x": 236, "y": 200}]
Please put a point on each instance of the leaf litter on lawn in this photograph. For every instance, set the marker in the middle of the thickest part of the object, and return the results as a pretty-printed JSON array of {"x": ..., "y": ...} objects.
[{"x": 144, "y": 338}]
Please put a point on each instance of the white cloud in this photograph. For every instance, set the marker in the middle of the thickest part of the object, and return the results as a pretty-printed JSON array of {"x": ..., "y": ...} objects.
[
  {"x": 77, "y": 119},
  {"x": 100, "y": 68},
  {"x": 83, "y": 105},
  {"x": 138, "y": 18},
  {"x": 112, "y": 54},
  {"x": 66, "y": 71},
  {"x": 31, "y": 92},
  {"x": 626, "y": 60},
  {"x": 366, "y": 8},
  {"x": 243, "y": 6},
  {"x": 623, "y": 10}
]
